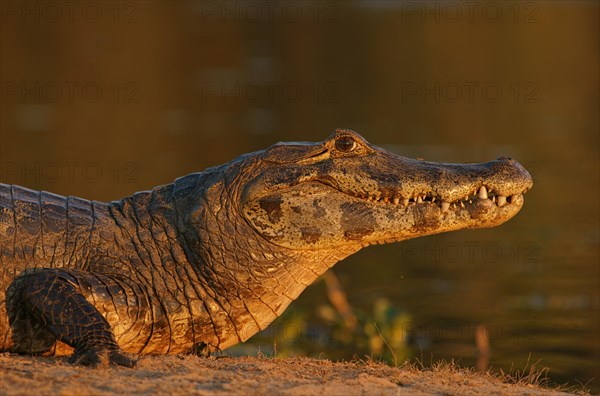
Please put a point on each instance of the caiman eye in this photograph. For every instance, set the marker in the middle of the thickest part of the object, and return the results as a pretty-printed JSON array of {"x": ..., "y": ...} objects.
[{"x": 345, "y": 144}]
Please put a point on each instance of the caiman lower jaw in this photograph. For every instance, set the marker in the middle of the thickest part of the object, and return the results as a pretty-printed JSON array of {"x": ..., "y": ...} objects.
[
  {"x": 401, "y": 219},
  {"x": 314, "y": 215}
]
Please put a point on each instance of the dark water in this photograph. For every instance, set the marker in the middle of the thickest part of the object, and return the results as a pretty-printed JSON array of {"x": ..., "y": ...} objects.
[{"x": 103, "y": 99}]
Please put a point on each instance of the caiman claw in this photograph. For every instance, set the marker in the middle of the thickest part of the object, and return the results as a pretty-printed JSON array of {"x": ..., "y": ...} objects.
[{"x": 103, "y": 357}]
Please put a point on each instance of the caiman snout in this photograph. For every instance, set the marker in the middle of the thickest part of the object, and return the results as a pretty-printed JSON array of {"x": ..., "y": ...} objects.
[
  {"x": 506, "y": 177},
  {"x": 516, "y": 171}
]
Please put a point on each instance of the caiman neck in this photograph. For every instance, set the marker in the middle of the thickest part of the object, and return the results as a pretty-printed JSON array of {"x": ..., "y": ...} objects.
[{"x": 254, "y": 277}]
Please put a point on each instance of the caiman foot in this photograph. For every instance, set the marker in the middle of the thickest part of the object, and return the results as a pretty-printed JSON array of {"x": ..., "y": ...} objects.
[
  {"x": 53, "y": 297},
  {"x": 95, "y": 357}
]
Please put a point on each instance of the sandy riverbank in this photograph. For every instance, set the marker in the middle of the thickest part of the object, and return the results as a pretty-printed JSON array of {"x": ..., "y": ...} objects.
[{"x": 26, "y": 375}]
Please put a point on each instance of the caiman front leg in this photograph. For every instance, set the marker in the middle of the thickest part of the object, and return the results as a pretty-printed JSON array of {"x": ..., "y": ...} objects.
[{"x": 54, "y": 297}]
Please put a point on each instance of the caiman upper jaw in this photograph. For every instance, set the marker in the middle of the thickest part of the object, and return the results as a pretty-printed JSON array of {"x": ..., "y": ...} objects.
[{"x": 404, "y": 181}]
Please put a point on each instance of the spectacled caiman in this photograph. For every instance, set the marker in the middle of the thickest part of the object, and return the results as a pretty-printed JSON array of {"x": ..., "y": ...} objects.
[{"x": 213, "y": 258}]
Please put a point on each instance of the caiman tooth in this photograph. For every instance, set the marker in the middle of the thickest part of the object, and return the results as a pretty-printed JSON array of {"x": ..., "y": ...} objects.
[
  {"x": 419, "y": 199},
  {"x": 432, "y": 199},
  {"x": 462, "y": 205},
  {"x": 445, "y": 206},
  {"x": 396, "y": 200},
  {"x": 513, "y": 198},
  {"x": 501, "y": 200},
  {"x": 405, "y": 202},
  {"x": 494, "y": 199},
  {"x": 483, "y": 193}
]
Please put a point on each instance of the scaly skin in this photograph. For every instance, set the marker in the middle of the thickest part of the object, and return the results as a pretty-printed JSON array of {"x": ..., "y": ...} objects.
[{"x": 208, "y": 261}]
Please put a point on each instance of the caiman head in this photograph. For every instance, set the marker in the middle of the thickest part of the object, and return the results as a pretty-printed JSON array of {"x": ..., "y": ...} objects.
[{"x": 346, "y": 193}]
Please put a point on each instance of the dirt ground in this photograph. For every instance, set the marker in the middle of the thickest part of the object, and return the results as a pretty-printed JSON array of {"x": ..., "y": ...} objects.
[{"x": 191, "y": 375}]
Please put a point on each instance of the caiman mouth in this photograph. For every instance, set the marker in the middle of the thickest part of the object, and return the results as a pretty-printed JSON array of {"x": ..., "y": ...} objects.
[{"x": 482, "y": 193}]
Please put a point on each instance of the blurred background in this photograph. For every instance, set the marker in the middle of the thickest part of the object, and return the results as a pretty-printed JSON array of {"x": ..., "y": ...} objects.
[{"x": 102, "y": 99}]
